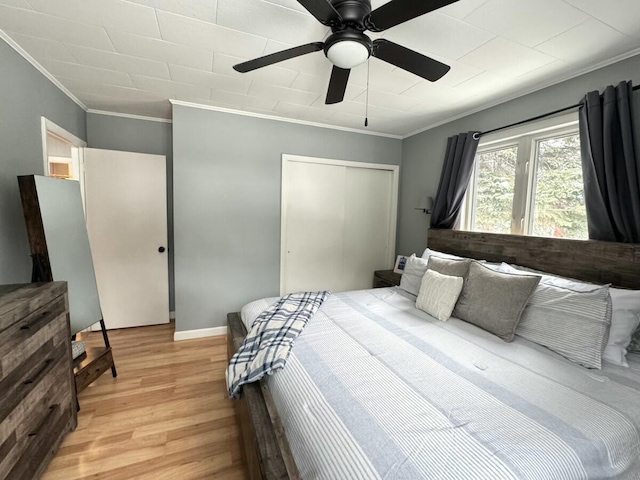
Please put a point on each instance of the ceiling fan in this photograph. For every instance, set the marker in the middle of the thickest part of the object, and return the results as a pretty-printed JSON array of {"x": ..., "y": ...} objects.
[{"x": 348, "y": 46}]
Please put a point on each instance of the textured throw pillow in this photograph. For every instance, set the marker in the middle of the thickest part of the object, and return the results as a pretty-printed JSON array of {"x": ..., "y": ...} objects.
[
  {"x": 494, "y": 301},
  {"x": 625, "y": 316},
  {"x": 454, "y": 268},
  {"x": 412, "y": 275},
  {"x": 573, "y": 324},
  {"x": 439, "y": 294}
]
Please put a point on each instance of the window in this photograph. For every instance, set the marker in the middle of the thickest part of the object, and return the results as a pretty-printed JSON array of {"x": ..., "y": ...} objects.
[
  {"x": 60, "y": 158},
  {"x": 62, "y": 153},
  {"x": 529, "y": 183}
]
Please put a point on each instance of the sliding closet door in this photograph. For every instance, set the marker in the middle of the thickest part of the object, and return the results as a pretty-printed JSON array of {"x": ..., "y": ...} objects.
[
  {"x": 338, "y": 224},
  {"x": 367, "y": 226},
  {"x": 314, "y": 226}
]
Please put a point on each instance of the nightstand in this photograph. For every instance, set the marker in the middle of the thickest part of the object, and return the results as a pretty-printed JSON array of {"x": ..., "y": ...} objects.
[{"x": 385, "y": 278}]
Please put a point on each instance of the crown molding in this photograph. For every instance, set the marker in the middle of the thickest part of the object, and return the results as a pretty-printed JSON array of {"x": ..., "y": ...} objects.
[
  {"x": 282, "y": 119},
  {"x": 40, "y": 68},
  {"x": 129, "y": 115},
  {"x": 4, "y": 36},
  {"x": 550, "y": 83}
]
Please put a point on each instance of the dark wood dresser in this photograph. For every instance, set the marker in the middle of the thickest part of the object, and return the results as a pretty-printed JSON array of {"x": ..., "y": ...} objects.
[{"x": 37, "y": 390}]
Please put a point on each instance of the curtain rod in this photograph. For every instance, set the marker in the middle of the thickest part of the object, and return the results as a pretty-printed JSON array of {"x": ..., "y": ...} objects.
[{"x": 544, "y": 115}]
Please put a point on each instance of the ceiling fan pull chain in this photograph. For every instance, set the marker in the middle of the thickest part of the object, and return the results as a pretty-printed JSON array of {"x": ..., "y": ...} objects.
[{"x": 366, "y": 108}]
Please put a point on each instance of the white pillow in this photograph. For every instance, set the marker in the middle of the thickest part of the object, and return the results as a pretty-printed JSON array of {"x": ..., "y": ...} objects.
[
  {"x": 493, "y": 266},
  {"x": 428, "y": 252},
  {"x": 438, "y": 294},
  {"x": 549, "y": 279},
  {"x": 624, "y": 320},
  {"x": 412, "y": 275}
]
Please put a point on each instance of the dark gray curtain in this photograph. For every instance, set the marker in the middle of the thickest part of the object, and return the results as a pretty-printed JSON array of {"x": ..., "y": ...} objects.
[
  {"x": 454, "y": 179},
  {"x": 610, "y": 168}
]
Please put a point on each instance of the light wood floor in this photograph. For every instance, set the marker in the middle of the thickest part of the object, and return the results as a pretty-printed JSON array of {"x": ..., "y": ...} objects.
[{"x": 166, "y": 416}]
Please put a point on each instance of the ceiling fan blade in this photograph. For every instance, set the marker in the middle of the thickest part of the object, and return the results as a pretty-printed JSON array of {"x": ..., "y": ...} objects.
[
  {"x": 278, "y": 57},
  {"x": 323, "y": 11},
  {"x": 399, "y": 11},
  {"x": 337, "y": 85},
  {"x": 408, "y": 60}
]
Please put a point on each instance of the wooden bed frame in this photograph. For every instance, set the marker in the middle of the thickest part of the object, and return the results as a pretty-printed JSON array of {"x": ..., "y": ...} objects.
[
  {"x": 586, "y": 260},
  {"x": 265, "y": 448}
]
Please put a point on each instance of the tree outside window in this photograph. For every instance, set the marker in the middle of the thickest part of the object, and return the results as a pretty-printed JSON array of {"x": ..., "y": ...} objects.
[
  {"x": 529, "y": 184},
  {"x": 559, "y": 209}
]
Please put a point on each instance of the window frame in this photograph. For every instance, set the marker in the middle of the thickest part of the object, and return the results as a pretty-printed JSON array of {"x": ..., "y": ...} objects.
[
  {"x": 77, "y": 149},
  {"x": 527, "y": 139}
]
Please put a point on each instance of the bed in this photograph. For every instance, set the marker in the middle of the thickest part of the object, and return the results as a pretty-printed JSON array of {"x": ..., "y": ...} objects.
[{"x": 375, "y": 388}]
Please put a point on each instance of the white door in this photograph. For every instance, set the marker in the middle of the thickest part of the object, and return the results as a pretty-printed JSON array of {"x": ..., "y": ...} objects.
[
  {"x": 338, "y": 223},
  {"x": 126, "y": 209}
]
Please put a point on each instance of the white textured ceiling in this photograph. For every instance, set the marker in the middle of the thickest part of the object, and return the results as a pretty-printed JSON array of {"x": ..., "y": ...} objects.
[{"x": 133, "y": 56}]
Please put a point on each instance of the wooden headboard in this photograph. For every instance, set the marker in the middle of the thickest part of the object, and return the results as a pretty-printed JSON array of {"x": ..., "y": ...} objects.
[{"x": 587, "y": 260}]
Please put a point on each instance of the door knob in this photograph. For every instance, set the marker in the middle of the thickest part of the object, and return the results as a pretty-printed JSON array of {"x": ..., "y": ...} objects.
[{"x": 161, "y": 249}]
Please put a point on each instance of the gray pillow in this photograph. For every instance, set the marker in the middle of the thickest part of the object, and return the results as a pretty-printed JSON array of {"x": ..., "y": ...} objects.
[
  {"x": 494, "y": 301},
  {"x": 449, "y": 267},
  {"x": 573, "y": 324},
  {"x": 634, "y": 346}
]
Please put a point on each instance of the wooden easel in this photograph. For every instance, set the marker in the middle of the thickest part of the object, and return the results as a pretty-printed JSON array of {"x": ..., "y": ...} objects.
[{"x": 97, "y": 360}]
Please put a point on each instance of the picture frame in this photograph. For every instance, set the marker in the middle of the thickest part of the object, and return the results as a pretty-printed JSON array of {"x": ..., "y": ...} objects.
[{"x": 401, "y": 261}]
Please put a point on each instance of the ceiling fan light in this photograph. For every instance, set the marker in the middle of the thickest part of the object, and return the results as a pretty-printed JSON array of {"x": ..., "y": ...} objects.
[{"x": 347, "y": 54}]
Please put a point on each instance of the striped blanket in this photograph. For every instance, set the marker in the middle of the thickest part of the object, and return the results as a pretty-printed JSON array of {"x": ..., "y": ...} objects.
[
  {"x": 268, "y": 345},
  {"x": 377, "y": 390}
]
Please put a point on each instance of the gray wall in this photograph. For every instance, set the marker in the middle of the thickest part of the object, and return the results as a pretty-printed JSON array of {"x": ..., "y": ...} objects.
[
  {"x": 25, "y": 96},
  {"x": 142, "y": 136},
  {"x": 423, "y": 154},
  {"x": 227, "y": 171}
]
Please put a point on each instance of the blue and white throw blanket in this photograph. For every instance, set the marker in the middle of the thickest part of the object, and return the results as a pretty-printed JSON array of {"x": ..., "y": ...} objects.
[{"x": 267, "y": 346}]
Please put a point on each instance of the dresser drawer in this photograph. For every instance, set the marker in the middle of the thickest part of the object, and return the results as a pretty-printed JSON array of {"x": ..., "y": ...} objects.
[
  {"x": 25, "y": 337},
  {"x": 27, "y": 377},
  {"x": 30, "y": 430},
  {"x": 18, "y": 301}
]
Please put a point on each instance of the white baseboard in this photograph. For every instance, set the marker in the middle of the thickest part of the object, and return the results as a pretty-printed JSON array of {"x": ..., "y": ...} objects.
[
  {"x": 172, "y": 315},
  {"x": 201, "y": 333}
]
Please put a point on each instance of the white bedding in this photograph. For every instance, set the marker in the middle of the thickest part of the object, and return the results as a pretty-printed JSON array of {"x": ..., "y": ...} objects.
[{"x": 375, "y": 388}]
